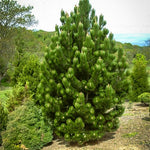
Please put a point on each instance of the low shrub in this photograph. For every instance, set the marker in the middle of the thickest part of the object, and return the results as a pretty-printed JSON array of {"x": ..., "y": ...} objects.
[
  {"x": 26, "y": 129},
  {"x": 26, "y": 69},
  {"x": 144, "y": 98},
  {"x": 3, "y": 120},
  {"x": 17, "y": 97}
]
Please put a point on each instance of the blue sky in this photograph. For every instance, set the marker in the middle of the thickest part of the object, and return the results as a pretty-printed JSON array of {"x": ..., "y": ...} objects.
[{"x": 122, "y": 16}]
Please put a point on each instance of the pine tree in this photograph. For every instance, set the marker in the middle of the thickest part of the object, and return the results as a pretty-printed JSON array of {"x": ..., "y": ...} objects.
[{"x": 84, "y": 77}]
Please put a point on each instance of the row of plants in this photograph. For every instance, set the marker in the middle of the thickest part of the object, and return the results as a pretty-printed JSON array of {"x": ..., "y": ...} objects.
[
  {"x": 29, "y": 127},
  {"x": 78, "y": 90},
  {"x": 23, "y": 95}
]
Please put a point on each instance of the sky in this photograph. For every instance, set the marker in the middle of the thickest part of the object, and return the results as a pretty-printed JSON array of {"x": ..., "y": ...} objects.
[{"x": 122, "y": 16}]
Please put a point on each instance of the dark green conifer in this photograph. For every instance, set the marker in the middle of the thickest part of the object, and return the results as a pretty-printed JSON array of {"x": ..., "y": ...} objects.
[{"x": 84, "y": 77}]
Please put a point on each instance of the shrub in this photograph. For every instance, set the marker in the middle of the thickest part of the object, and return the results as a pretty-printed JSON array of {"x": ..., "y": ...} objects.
[
  {"x": 3, "y": 120},
  {"x": 26, "y": 70},
  {"x": 26, "y": 129},
  {"x": 84, "y": 77},
  {"x": 17, "y": 97},
  {"x": 139, "y": 77},
  {"x": 144, "y": 98}
]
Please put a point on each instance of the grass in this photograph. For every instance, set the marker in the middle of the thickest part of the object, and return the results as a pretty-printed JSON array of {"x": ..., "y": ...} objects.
[{"x": 131, "y": 134}]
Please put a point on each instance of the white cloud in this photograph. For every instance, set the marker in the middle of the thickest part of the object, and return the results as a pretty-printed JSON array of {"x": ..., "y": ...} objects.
[{"x": 122, "y": 16}]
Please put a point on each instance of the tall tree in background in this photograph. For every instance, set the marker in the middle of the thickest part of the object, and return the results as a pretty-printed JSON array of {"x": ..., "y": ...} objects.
[
  {"x": 84, "y": 77},
  {"x": 12, "y": 16}
]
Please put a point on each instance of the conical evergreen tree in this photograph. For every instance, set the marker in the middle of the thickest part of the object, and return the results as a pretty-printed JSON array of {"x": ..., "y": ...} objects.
[{"x": 84, "y": 77}]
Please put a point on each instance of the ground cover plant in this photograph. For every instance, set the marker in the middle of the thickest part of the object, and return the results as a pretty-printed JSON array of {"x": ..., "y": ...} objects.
[{"x": 84, "y": 77}]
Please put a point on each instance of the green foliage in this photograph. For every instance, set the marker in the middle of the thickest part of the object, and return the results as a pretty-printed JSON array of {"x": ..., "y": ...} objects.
[
  {"x": 139, "y": 77},
  {"x": 84, "y": 77},
  {"x": 26, "y": 129},
  {"x": 3, "y": 66},
  {"x": 13, "y": 15},
  {"x": 3, "y": 120},
  {"x": 26, "y": 70},
  {"x": 43, "y": 36},
  {"x": 17, "y": 97},
  {"x": 144, "y": 98},
  {"x": 26, "y": 41},
  {"x": 84, "y": 10},
  {"x": 4, "y": 95},
  {"x": 131, "y": 50}
]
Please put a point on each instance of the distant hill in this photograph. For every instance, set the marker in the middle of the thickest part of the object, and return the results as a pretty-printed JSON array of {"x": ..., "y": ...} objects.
[{"x": 134, "y": 39}]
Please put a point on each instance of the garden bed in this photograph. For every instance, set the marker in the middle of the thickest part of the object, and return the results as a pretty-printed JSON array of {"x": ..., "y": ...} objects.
[{"x": 133, "y": 133}]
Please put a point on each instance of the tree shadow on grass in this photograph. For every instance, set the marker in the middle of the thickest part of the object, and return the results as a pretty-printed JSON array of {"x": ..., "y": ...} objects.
[
  {"x": 146, "y": 118},
  {"x": 142, "y": 105},
  {"x": 48, "y": 144}
]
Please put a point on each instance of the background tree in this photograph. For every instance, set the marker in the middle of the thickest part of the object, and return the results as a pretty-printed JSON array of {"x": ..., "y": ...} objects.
[
  {"x": 139, "y": 77},
  {"x": 12, "y": 16},
  {"x": 83, "y": 78}
]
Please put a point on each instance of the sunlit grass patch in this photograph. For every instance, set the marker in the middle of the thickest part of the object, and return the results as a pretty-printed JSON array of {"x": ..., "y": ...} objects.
[
  {"x": 128, "y": 114},
  {"x": 129, "y": 135}
]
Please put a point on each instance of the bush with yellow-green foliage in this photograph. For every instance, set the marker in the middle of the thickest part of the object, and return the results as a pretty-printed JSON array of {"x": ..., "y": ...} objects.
[
  {"x": 26, "y": 129},
  {"x": 26, "y": 69},
  {"x": 17, "y": 97},
  {"x": 139, "y": 77},
  {"x": 144, "y": 98}
]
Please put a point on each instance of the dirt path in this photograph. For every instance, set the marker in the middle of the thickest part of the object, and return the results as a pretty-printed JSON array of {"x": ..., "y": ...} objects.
[{"x": 133, "y": 134}]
